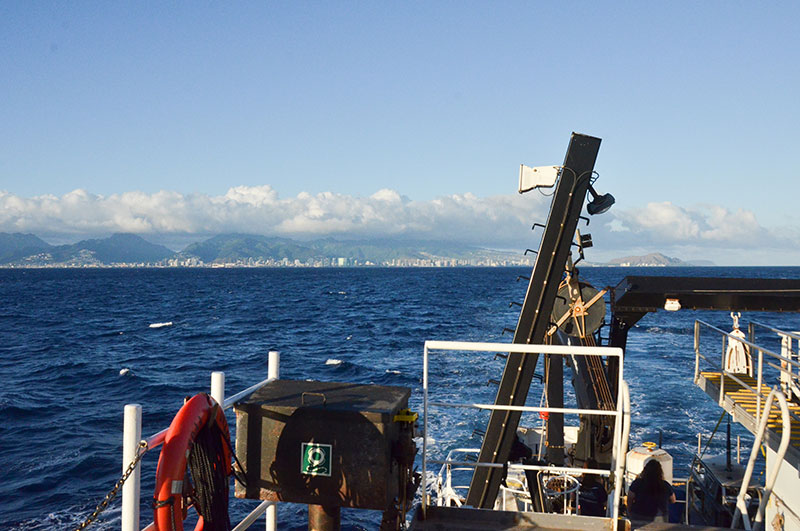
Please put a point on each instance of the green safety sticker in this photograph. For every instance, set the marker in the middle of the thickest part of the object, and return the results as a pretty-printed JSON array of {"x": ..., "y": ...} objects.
[{"x": 315, "y": 459}]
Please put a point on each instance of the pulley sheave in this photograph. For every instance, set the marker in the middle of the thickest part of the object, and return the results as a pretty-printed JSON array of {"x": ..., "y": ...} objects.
[{"x": 579, "y": 316}]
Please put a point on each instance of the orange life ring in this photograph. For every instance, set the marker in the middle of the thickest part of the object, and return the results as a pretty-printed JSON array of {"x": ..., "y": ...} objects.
[{"x": 169, "y": 510}]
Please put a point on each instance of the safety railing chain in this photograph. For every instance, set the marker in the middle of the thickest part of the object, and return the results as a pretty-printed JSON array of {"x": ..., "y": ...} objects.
[{"x": 103, "y": 505}]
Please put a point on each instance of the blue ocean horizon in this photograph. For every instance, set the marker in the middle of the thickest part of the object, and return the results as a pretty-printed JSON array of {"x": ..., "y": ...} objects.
[{"x": 68, "y": 335}]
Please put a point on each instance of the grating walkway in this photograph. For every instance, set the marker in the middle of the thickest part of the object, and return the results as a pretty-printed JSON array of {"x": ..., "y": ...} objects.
[{"x": 742, "y": 403}]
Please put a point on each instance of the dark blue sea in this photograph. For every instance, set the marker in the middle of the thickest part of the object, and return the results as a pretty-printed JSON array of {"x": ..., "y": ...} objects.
[{"x": 65, "y": 335}]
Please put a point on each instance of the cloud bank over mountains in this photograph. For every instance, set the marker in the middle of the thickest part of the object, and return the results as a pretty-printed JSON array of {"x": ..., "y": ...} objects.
[
  {"x": 698, "y": 232},
  {"x": 259, "y": 210}
]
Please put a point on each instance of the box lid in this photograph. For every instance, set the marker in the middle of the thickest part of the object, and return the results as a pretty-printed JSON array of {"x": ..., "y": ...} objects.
[{"x": 332, "y": 396}]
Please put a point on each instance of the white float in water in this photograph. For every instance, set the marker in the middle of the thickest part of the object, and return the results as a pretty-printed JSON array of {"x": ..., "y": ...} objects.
[{"x": 160, "y": 325}]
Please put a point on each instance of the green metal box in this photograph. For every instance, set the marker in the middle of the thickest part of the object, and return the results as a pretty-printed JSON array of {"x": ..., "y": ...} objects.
[{"x": 321, "y": 443}]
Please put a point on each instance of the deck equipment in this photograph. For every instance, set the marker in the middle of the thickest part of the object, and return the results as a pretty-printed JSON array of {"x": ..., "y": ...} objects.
[{"x": 534, "y": 322}]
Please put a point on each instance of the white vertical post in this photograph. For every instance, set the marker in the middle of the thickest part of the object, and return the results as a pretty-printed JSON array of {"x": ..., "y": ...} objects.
[
  {"x": 273, "y": 371},
  {"x": 786, "y": 369},
  {"x": 625, "y": 431},
  {"x": 738, "y": 448},
  {"x": 271, "y": 515},
  {"x": 758, "y": 392},
  {"x": 424, "y": 429},
  {"x": 131, "y": 435},
  {"x": 696, "y": 350},
  {"x": 218, "y": 386}
]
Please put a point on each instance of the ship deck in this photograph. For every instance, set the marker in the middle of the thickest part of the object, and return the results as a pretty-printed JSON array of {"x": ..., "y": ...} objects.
[
  {"x": 741, "y": 403},
  {"x": 468, "y": 518}
]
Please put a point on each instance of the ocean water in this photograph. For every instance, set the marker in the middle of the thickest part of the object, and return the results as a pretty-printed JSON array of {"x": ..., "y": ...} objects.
[{"x": 65, "y": 335}]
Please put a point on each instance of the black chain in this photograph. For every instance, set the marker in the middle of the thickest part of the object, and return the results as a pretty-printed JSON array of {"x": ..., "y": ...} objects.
[{"x": 103, "y": 505}]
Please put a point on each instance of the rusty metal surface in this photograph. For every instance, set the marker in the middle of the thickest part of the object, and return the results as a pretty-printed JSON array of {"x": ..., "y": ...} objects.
[
  {"x": 322, "y": 518},
  {"x": 355, "y": 420}
]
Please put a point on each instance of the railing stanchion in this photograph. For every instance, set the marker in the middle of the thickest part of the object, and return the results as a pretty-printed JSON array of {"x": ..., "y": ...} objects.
[
  {"x": 696, "y": 350},
  {"x": 724, "y": 345},
  {"x": 272, "y": 517},
  {"x": 131, "y": 435},
  {"x": 424, "y": 429},
  {"x": 274, "y": 371},
  {"x": 218, "y": 386},
  {"x": 758, "y": 390}
]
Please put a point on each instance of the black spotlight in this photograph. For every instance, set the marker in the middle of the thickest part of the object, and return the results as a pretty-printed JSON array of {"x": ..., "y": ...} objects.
[{"x": 599, "y": 203}]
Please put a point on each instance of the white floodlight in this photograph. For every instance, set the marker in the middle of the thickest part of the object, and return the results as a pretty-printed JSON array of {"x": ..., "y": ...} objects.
[
  {"x": 538, "y": 177},
  {"x": 672, "y": 305}
]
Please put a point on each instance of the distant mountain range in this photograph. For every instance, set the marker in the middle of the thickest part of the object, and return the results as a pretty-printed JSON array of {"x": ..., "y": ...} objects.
[
  {"x": 231, "y": 247},
  {"x": 27, "y": 250},
  {"x": 119, "y": 248},
  {"x": 21, "y": 250}
]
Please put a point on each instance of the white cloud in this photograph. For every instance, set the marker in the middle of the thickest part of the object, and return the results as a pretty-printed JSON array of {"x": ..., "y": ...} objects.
[
  {"x": 702, "y": 231},
  {"x": 258, "y": 209},
  {"x": 667, "y": 223},
  {"x": 709, "y": 232}
]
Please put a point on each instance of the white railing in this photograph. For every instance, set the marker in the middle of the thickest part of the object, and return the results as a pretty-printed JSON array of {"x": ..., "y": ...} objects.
[
  {"x": 447, "y": 493},
  {"x": 741, "y": 506},
  {"x": 789, "y": 378},
  {"x": 784, "y": 365},
  {"x": 131, "y": 439},
  {"x": 621, "y": 414}
]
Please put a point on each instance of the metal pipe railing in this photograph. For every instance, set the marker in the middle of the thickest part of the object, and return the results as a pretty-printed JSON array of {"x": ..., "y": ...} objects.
[
  {"x": 760, "y": 385},
  {"x": 794, "y": 335},
  {"x": 576, "y": 411},
  {"x": 746, "y": 342},
  {"x": 741, "y": 507},
  {"x": 624, "y": 404},
  {"x": 517, "y": 466},
  {"x": 621, "y": 429},
  {"x": 132, "y": 430}
]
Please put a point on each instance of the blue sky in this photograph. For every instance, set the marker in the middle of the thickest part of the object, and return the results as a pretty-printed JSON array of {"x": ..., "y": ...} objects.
[{"x": 151, "y": 110}]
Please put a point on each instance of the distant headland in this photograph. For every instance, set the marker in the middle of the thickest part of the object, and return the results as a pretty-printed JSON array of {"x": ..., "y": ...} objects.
[{"x": 656, "y": 260}]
